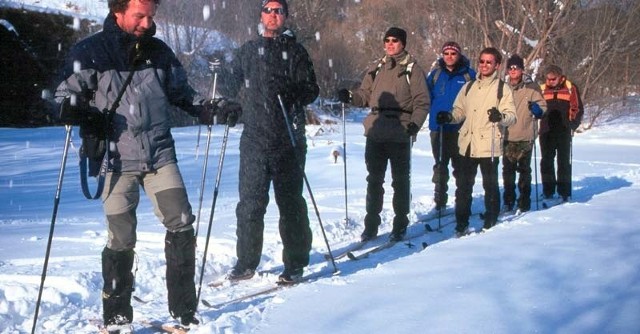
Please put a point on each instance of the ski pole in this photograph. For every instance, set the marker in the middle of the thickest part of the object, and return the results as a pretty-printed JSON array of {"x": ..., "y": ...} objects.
[
  {"x": 571, "y": 164},
  {"x": 206, "y": 156},
  {"x": 440, "y": 172},
  {"x": 306, "y": 182},
  {"x": 535, "y": 158},
  {"x": 198, "y": 141},
  {"x": 344, "y": 160},
  {"x": 56, "y": 203},
  {"x": 223, "y": 150}
]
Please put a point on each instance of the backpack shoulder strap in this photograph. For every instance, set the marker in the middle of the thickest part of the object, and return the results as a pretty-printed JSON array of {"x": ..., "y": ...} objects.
[
  {"x": 469, "y": 87},
  {"x": 435, "y": 76},
  {"x": 500, "y": 89},
  {"x": 467, "y": 77}
]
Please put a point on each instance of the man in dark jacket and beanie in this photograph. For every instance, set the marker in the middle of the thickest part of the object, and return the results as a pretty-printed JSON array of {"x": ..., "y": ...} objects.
[
  {"x": 444, "y": 83},
  {"x": 271, "y": 67},
  {"x": 520, "y": 137},
  {"x": 396, "y": 92},
  {"x": 142, "y": 151},
  {"x": 564, "y": 114}
]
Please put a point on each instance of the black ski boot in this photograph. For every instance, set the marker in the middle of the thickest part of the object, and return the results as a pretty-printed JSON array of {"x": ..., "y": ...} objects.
[{"x": 117, "y": 289}]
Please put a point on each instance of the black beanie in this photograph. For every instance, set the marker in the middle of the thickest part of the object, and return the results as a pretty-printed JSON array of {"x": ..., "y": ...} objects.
[
  {"x": 283, "y": 3},
  {"x": 397, "y": 33},
  {"x": 515, "y": 60}
]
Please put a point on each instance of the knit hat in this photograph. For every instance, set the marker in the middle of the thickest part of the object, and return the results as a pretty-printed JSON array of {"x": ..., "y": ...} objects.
[
  {"x": 451, "y": 45},
  {"x": 515, "y": 60},
  {"x": 283, "y": 3},
  {"x": 397, "y": 33}
]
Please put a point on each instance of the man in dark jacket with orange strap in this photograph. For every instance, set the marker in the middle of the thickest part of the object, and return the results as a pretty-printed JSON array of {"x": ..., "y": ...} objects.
[{"x": 564, "y": 114}]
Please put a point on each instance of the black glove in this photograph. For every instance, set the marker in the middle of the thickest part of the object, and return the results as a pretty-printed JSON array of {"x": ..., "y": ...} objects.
[
  {"x": 535, "y": 109},
  {"x": 494, "y": 115},
  {"x": 208, "y": 110},
  {"x": 344, "y": 96},
  {"x": 73, "y": 110},
  {"x": 444, "y": 117},
  {"x": 412, "y": 129},
  {"x": 229, "y": 113}
]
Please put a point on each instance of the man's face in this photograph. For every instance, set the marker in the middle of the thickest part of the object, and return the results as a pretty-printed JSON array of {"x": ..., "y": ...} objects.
[
  {"x": 553, "y": 80},
  {"x": 393, "y": 46},
  {"x": 450, "y": 57},
  {"x": 272, "y": 18},
  {"x": 138, "y": 17},
  {"x": 515, "y": 73},
  {"x": 487, "y": 64}
]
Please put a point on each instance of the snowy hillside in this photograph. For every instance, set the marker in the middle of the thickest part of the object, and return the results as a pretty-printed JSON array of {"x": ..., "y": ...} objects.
[{"x": 573, "y": 268}]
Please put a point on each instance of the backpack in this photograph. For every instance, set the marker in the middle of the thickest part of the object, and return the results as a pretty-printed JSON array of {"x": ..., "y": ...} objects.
[{"x": 406, "y": 72}]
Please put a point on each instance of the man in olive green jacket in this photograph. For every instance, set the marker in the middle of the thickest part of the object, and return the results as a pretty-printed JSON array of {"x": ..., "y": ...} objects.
[
  {"x": 485, "y": 105},
  {"x": 397, "y": 94}
]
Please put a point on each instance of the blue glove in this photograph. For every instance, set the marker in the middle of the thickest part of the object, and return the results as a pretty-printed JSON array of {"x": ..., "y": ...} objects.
[{"x": 535, "y": 109}]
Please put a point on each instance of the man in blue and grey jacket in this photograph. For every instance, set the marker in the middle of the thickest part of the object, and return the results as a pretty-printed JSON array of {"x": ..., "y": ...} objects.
[{"x": 125, "y": 57}]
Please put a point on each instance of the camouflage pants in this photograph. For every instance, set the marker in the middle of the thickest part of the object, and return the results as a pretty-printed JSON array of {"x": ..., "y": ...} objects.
[{"x": 517, "y": 159}]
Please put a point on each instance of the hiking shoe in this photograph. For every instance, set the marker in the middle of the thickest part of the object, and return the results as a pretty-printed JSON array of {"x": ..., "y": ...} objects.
[
  {"x": 290, "y": 276},
  {"x": 369, "y": 233},
  {"x": 397, "y": 234},
  {"x": 189, "y": 319},
  {"x": 507, "y": 207},
  {"x": 488, "y": 224},
  {"x": 239, "y": 273}
]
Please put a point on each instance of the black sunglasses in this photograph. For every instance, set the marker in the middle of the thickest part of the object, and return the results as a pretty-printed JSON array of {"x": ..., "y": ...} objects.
[{"x": 269, "y": 10}]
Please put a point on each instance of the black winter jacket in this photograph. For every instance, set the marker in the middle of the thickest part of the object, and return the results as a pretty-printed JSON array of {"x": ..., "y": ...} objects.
[{"x": 258, "y": 69}]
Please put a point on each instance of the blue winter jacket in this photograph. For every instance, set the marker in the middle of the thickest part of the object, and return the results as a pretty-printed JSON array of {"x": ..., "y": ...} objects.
[
  {"x": 97, "y": 67},
  {"x": 444, "y": 91}
]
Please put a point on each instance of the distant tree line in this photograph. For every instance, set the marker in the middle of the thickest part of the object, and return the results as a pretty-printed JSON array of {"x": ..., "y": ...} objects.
[{"x": 596, "y": 42}]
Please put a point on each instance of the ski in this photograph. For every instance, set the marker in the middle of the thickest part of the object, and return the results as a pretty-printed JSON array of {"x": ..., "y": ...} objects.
[
  {"x": 166, "y": 327},
  {"x": 351, "y": 248},
  {"x": 224, "y": 280},
  {"x": 102, "y": 329},
  {"x": 362, "y": 255},
  {"x": 266, "y": 290},
  {"x": 450, "y": 219}
]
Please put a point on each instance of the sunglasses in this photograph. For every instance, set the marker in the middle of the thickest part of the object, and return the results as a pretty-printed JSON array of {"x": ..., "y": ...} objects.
[
  {"x": 552, "y": 78},
  {"x": 514, "y": 68},
  {"x": 391, "y": 40},
  {"x": 488, "y": 62},
  {"x": 269, "y": 10},
  {"x": 450, "y": 53}
]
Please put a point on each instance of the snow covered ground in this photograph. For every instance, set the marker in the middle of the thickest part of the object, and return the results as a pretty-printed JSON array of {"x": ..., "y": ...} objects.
[{"x": 573, "y": 268}]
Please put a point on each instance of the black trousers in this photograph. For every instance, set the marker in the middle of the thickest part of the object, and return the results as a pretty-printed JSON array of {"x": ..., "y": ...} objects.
[
  {"x": 376, "y": 156},
  {"x": 556, "y": 143},
  {"x": 464, "y": 189},
  {"x": 258, "y": 169},
  {"x": 450, "y": 153}
]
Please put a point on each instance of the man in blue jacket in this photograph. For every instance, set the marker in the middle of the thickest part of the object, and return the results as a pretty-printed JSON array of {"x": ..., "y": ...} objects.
[{"x": 444, "y": 83}]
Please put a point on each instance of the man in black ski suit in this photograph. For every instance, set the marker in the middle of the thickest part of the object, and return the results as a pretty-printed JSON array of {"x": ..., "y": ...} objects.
[
  {"x": 271, "y": 66},
  {"x": 142, "y": 151}
]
